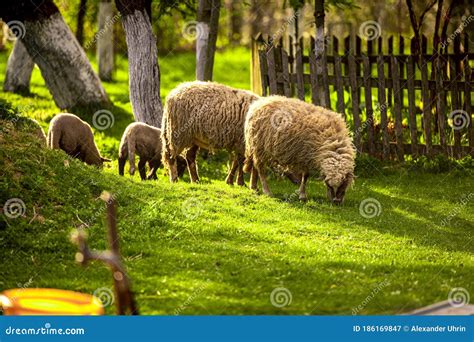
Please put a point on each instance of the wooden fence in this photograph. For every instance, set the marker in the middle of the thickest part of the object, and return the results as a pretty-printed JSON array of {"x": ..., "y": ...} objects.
[{"x": 395, "y": 103}]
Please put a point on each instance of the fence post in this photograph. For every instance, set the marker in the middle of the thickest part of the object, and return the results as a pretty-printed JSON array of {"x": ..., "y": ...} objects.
[
  {"x": 425, "y": 94},
  {"x": 255, "y": 74}
]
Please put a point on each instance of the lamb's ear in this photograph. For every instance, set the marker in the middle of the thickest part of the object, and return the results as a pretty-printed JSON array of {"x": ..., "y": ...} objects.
[{"x": 105, "y": 159}]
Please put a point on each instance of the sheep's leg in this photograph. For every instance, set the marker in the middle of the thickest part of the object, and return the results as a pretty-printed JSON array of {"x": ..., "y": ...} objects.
[
  {"x": 302, "y": 190},
  {"x": 254, "y": 178},
  {"x": 141, "y": 168},
  {"x": 240, "y": 173},
  {"x": 263, "y": 179},
  {"x": 230, "y": 176},
  {"x": 191, "y": 160}
]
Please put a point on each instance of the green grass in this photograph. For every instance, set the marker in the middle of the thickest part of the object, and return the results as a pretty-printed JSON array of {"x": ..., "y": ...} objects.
[{"x": 214, "y": 249}]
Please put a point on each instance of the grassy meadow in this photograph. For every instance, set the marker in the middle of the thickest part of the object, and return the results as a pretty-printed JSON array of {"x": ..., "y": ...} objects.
[{"x": 215, "y": 249}]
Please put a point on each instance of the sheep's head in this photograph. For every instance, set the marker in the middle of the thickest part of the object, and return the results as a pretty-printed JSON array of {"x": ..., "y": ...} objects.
[{"x": 338, "y": 174}]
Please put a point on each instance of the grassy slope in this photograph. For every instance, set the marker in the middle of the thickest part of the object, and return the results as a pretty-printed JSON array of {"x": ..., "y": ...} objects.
[{"x": 212, "y": 249}]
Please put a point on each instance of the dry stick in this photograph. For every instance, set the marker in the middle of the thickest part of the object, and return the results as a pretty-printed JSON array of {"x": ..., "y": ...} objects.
[{"x": 125, "y": 298}]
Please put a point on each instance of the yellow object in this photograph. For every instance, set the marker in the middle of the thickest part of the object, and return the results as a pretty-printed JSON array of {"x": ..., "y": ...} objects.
[{"x": 49, "y": 302}]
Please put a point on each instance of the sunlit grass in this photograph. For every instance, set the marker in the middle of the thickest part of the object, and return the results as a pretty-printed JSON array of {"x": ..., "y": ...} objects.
[{"x": 226, "y": 247}]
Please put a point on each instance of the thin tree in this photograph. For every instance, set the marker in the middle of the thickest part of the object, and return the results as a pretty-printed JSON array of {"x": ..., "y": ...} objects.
[
  {"x": 53, "y": 47},
  {"x": 81, "y": 13},
  {"x": 19, "y": 69},
  {"x": 207, "y": 29},
  {"x": 144, "y": 71},
  {"x": 320, "y": 48},
  {"x": 105, "y": 40}
]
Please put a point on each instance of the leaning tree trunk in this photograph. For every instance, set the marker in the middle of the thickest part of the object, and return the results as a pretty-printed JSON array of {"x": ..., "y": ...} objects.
[
  {"x": 19, "y": 69},
  {"x": 144, "y": 71},
  {"x": 53, "y": 47},
  {"x": 208, "y": 22},
  {"x": 105, "y": 40}
]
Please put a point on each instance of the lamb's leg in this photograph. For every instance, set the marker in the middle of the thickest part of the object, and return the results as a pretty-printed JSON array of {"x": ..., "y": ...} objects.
[
  {"x": 230, "y": 176},
  {"x": 141, "y": 168},
  {"x": 154, "y": 165},
  {"x": 302, "y": 190},
  {"x": 191, "y": 160},
  {"x": 240, "y": 173},
  {"x": 263, "y": 179},
  {"x": 122, "y": 160},
  {"x": 131, "y": 157}
]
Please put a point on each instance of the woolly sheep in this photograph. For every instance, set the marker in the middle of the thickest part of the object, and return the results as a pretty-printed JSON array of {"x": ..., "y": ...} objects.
[
  {"x": 144, "y": 140},
  {"x": 205, "y": 115},
  {"x": 74, "y": 136},
  {"x": 301, "y": 138}
]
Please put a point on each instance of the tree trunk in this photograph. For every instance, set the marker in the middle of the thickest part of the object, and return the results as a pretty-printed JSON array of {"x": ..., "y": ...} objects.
[
  {"x": 319, "y": 48},
  {"x": 208, "y": 22},
  {"x": 144, "y": 71},
  {"x": 105, "y": 40},
  {"x": 81, "y": 13},
  {"x": 19, "y": 69},
  {"x": 234, "y": 10},
  {"x": 53, "y": 47}
]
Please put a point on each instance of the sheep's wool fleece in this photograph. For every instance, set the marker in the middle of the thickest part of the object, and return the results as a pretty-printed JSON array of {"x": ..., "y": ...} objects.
[
  {"x": 207, "y": 114},
  {"x": 299, "y": 137}
]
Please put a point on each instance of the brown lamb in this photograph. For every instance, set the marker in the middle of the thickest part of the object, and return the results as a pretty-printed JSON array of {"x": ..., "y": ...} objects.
[
  {"x": 301, "y": 138},
  {"x": 74, "y": 136},
  {"x": 144, "y": 140}
]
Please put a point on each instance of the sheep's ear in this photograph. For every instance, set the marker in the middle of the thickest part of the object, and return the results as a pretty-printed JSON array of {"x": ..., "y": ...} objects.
[{"x": 105, "y": 159}]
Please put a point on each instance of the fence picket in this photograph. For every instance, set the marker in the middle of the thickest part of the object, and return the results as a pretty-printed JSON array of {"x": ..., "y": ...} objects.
[
  {"x": 355, "y": 101},
  {"x": 412, "y": 106},
  {"x": 285, "y": 73},
  {"x": 440, "y": 104},
  {"x": 397, "y": 108},
  {"x": 425, "y": 94},
  {"x": 271, "y": 67},
  {"x": 455, "y": 105},
  {"x": 300, "y": 70},
  {"x": 369, "y": 122},
  {"x": 313, "y": 74},
  {"x": 467, "y": 105},
  {"x": 383, "y": 108}
]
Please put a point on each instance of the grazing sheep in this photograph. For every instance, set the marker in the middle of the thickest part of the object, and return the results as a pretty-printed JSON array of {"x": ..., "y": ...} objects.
[
  {"x": 144, "y": 140},
  {"x": 300, "y": 138},
  {"x": 74, "y": 136},
  {"x": 205, "y": 115}
]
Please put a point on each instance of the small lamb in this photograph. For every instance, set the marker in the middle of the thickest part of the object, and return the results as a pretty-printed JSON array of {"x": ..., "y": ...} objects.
[
  {"x": 74, "y": 136},
  {"x": 144, "y": 140}
]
